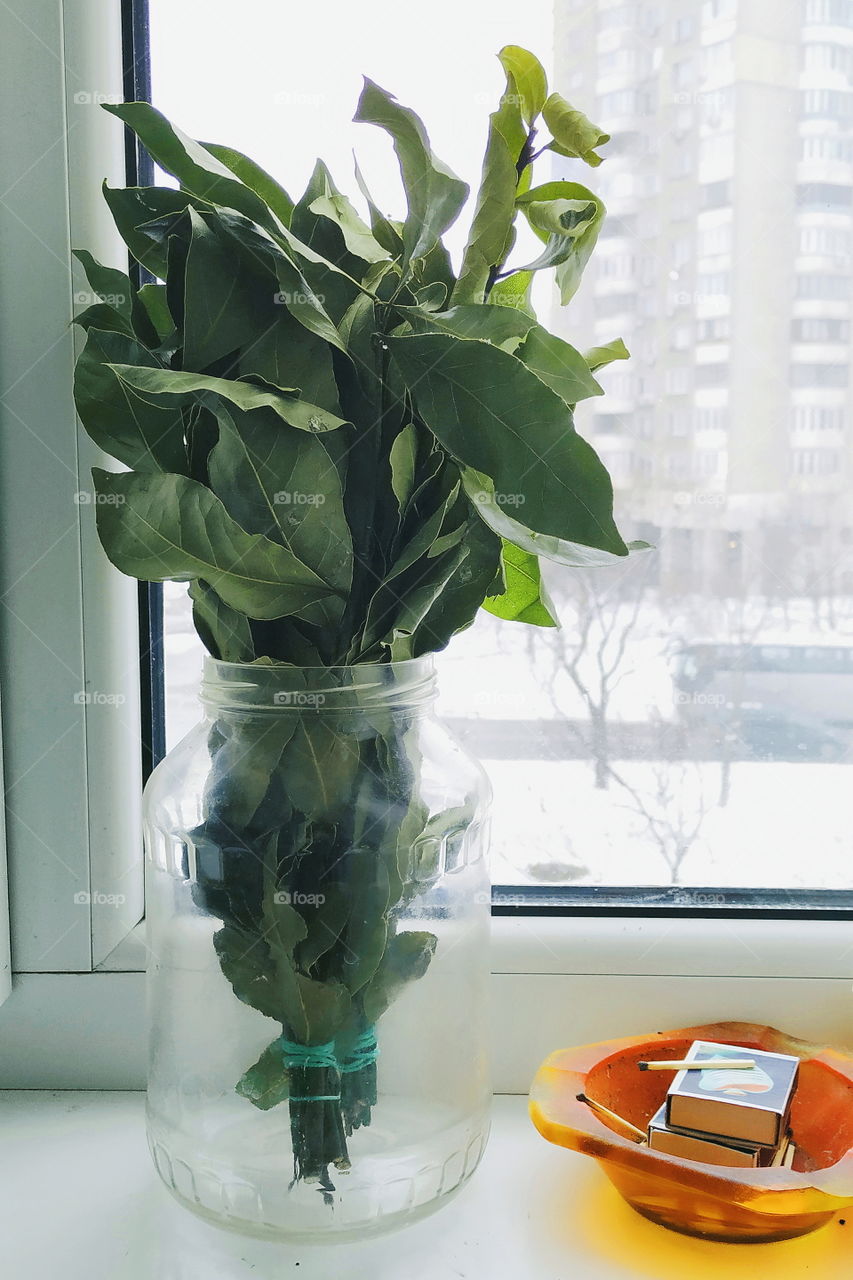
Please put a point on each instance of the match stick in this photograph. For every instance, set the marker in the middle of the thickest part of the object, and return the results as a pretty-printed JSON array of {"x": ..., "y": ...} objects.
[
  {"x": 788, "y": 1162},
  {"x": 781, "y": 1153},
  {"x": 635, "y": 1133},
  {"x": 706, "y": 1064}
]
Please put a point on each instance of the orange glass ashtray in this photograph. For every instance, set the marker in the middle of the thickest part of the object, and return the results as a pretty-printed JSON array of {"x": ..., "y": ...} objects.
[{"x": 712, "y": 1201}]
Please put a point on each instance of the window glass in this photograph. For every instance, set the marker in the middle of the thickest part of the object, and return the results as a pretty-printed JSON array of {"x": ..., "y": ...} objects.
[{"x": 691, "y": 721}]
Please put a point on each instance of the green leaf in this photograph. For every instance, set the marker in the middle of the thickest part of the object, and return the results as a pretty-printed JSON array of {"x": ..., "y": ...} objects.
[
  {"x": 498, "y": 418},
  {"x": 141, "y": 434},
  {"x": 514, "y": 291},
  {"x": 491, "y": 228},
  {"x": 367, "y": 925},
  {"x": 159, "y": 527},
  {"x": 325, "y": 925},
  {"x": 358, "y": 237},
  {"x": 136, "y": 210},
  {"x": 411, "y": 583},
  {"x": 224, "y": 632},
  {"x": 110, "y": 285},
  {"x": 386, "y": 231},
  {"x": 320, "y": 767},
  {"x": 406, "y": 958},
  {"x": 524, "y": 598},
  {"x": 434, "y": 194},
  {"x": 153, "y": 299},
  {"x": 598, "y": 357},
  {"x": 223, "y": 297},
  {"x": 257, "y": 179},
  {"x": 568, "y": 217},
  {"x": 574, "y": 135},
  {"x": 188, "y": 387},
  {"x": 503, "y": 326},
  {"x": 288, "y": 354},
  {"x": 194, "y": 165},
  {"x": 403, "y": 458},
  {"x": 266, "y": 1083},
  {"x": 456, "y": 607},
  {"x": 529, "y": 76},
  {"x": 559, "y": 365},
  {"x": 481, "y": 491},
  {"x": 286, "y": 485},
  {"x": 245, "y": 961}
]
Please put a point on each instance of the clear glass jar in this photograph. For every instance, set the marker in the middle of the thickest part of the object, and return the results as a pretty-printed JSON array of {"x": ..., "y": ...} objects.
[{"x": 318, "y": 913}]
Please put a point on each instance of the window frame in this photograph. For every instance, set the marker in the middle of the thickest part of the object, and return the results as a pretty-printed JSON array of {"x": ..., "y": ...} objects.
[{"x": 68, "y": 622}]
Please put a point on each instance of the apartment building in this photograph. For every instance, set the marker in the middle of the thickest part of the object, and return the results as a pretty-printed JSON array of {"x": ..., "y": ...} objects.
[{"x": 726, "y": 263}]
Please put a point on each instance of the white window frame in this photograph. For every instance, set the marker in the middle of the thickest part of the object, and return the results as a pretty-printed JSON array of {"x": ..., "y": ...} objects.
[
  {"x": 68, "y": 620},
  {"x": 76, "y": 1014}
]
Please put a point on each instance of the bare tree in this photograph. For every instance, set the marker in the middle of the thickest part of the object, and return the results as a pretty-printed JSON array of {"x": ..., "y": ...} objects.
[
  {"x": 599, "y": 613},
  {"x": 673, "y": 811}
]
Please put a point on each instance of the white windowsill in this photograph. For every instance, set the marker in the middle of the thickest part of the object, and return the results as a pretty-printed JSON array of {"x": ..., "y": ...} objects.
[{"x": 80, "y": 1199}]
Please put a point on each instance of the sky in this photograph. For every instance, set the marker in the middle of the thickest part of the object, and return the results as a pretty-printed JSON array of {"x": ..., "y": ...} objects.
[{"x": 280, "y": 80}]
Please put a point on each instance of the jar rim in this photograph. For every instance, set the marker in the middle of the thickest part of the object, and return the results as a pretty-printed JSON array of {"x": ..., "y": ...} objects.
[{"x": 281, "y": 686}]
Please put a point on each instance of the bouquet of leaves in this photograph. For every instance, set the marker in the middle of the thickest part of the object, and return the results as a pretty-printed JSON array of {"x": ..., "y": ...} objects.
[{"x": 347, "y": 449}]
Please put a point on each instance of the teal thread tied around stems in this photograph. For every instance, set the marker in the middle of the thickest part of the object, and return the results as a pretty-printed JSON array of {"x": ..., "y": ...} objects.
[
  {"x": 321, "y": 1056},
  {"x": 364, "y": 1051}
]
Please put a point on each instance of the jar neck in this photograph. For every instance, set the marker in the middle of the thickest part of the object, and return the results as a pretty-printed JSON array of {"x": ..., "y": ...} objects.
[{"x": 285, "y": 689}]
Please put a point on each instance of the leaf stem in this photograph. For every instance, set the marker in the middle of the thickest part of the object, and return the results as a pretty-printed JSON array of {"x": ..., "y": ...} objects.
[{"x": 526, "y": 156}]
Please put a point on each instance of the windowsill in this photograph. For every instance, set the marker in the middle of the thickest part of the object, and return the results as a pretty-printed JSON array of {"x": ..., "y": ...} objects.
[{"x": 78, "y": 1162}]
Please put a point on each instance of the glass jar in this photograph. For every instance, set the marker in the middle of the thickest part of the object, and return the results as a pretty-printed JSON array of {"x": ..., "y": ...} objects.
[{"x": 318, "y": 914}]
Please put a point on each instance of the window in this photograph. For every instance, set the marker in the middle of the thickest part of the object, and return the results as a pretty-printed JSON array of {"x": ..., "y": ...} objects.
[
  {"x": 823, "y": 287},
  {"x": 815, "y": 329},
  {"x": 834, "y": 105},
  {"x": 815, "y": 462},
  {"x": 712, "y": 375},
  {"x": 75, "y": 770},
  {"x": 818, "y": 418},
  {"x": 715, "y": 195},
  {"x": 713, "y": 284},
  {"x": 716, "y": 419},
  {"x": 840, "y": 149},
  {"x": 689, "y": 587},
  {"x": 829, "y": 57},
  {"x": 820, "y": 375},
  {"x": 825, "y": 242},
  {"x": 716, "y": 329},
  {"x": 837, "y": 13},
  {"x": 825, "y": 195},
  {"x": 715, "y": 240}
]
